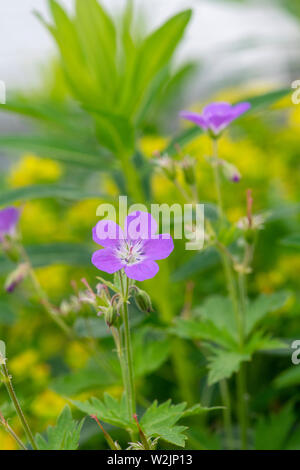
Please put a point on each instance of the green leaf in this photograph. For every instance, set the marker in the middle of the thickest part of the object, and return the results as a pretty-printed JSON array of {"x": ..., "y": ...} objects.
[
  {"x": 183, "y": 139},
  {"x": 97, "y": 35},
  {"x": 199, "y": 329},
  {"x": 272, "y": 433},
  {"x": 93, "y": 376},
  {"x": 110, "y": 410},
  {"x": 263, "y": 305},
  {"x": 110, "y": 285},
  {"x": 160, "y": 421},
  {"x": 289, "y": 377},
  {"x": 7, "y": 314},
  {"x": 73, "y": 254},
  {"x": 60, "y": 116},
  {"x": 267, "y": 99},
  {"x": 91, "y": 328},
  {"x": 293, "y": 241},
  {"x": 198, "y": 409},
  {"x": 218, "y": 310},
  {"x": 223, "y": 364},
  {"x": 64, "y": 436},
  {"x": 114, "y": 132},
  {"x": 44, "y": 191},
  {"x": 147, "y": 65},
  {"x": 80, "y": 78},
  {"x": 150, "y": 349},
  {"x": 262, "y": 342},
  {"x": 58, "y": 149},
  {"x": 198, "y": 263}
]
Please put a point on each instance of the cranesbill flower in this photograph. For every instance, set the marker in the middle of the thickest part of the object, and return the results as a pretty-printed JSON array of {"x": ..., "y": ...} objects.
[
  {"x": 216, "y": 116},
  {"x": 9, "y": 218},
  {"x": 135, "y": 249}
]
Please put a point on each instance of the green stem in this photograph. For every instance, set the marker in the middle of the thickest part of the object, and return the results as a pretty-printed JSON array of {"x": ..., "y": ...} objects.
[
  {"x": 13, "y": 397},
  {"x": 217, "y": 178},
  {"x": 133, "y": 182},
  {"x": 44, "y": 298},
  {"x": 129, "y": 381},
  {"x": 241, "y": 378},
  {"x": 227, "y": 413},
  {"x": 239, "y": 316},
  {"x": 11, "y": 432},
  {"x": 231, "y": 288}
]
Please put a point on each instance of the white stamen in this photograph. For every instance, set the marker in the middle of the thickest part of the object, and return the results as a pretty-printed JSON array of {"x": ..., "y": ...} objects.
[{"x": 130, "y": 252}]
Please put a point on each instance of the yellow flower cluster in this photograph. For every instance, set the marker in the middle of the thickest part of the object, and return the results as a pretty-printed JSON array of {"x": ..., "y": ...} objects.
[{"x": 33, "y": 170}]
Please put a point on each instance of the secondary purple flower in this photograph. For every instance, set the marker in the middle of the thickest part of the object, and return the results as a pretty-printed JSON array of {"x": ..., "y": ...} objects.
[
  {"x": 216, "y": 116},
  {"x": 135, "y": 249},
  {"x": 9, "y": 218}
]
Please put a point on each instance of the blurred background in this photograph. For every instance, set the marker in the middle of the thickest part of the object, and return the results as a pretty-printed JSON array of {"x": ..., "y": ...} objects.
[{"x": 231, "y": 50}]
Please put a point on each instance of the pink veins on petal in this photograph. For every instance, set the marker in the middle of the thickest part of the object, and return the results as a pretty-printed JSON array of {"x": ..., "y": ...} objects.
[{"x": 135, "y": 249}]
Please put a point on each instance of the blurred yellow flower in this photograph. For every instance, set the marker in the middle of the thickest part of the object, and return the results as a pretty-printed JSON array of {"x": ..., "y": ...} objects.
[
  {"x": 22, "y": 364},
  {"x": 27, "y": 364},
  {"x": 109, "y": 187},
  {"x": 249, "y": 159},
  {"x": 51, "y": 343},
  {"x": 270, "y": 281},
  {"x": 54, "y": 279},
  {"x": 82, "y": 216},
  {"x": 150, "y": 144},
  {"x": 32, "y": 170},
  {"x": 76, "y": 355},
  {"x": 289, "y": 266},
  {"x": 48, "y": 405},
  {"x": 40, "y": 374},
  {"x": 7, "y": 442},
  {"x": 162, "y": 187},
  {"x": 294, "y": 117},
  {"x": 234, "y": 214},
  {"x": 40, "y": 222}
]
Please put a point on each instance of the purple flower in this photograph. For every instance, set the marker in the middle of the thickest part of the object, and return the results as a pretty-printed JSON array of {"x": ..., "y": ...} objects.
[
  {"x": 9, "y": 218},
  {"x": 135, "y": 249},
  {"x": 216, "y": 116}
]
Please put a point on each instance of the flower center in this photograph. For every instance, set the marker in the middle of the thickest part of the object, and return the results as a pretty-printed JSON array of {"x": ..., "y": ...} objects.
[{"x": 130, "y": 252}]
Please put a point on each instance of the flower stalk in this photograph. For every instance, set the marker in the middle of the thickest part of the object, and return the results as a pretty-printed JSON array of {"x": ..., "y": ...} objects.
[
  {"x": 128, "y": 373},
  {"x": 9, "y": 387},
  {"x": 239, "y": 306},
  {"x": 11, "y": 432}
]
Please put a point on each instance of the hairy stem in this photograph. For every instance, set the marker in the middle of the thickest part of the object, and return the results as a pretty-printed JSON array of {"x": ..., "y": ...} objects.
[
  {"x": 44, "y": 298},
  {"x": 11, "y": 432},
  {"x": 217, "y": 178},
  {"x": 13, "y": 397},
  {"x": 129, "y": 381}
]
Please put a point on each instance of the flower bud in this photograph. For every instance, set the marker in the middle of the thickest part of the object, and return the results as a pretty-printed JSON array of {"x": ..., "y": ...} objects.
[
  {"x": 16, "y": 277},
  {"x": 111, "y": 315},
  {"x": 188, "y": 166},
  {"x": 143, "y": 301},
  {"x": 231, "y": 172}
]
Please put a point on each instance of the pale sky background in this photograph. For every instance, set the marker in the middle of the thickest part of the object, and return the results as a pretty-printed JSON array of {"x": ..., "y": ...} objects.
[{"x": 25, "y": 45}]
